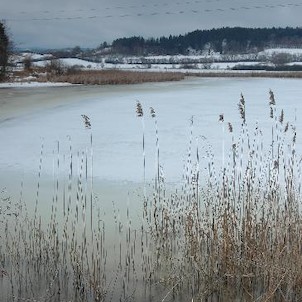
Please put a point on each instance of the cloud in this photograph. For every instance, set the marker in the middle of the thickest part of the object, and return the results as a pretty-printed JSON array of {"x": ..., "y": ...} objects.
[{"x": 62, "y": 23}]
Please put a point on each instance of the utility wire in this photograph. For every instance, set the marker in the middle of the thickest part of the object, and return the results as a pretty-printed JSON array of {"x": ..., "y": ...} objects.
[
  {"x": 163, "y": 4},
  {"x": 156, "y": 13}
]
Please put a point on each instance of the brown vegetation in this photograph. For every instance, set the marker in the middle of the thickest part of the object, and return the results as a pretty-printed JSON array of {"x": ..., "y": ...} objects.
[
  {"x": 113, "y": 77},
  {"x": 55, "y": 71},
  {"x": 234, "y": 233}
]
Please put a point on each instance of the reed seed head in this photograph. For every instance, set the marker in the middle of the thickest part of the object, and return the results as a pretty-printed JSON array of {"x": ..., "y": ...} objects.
[
  {"x": 281, "y": 118},
  {"x": 286, "y": 127},
  {"x": 87, "y": 122},
  {"x": 272, "y": 101},
  {"x": 139, "y": 109},
  {"x": 152, "y": 112},
  {"x": 241, "y": 107},
  {"x": 271, "y": 112},
  {"x": 276, "y": 164},
  {"x": 221, "y": 117}
]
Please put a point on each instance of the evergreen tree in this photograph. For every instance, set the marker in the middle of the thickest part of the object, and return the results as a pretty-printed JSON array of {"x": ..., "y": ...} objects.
[
  {"x": 224, "y": 40},
  {"x": 4, "y": 51}
]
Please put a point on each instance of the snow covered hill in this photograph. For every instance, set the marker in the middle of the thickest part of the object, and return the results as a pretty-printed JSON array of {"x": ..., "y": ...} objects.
[{"x": 192, "y": 63}]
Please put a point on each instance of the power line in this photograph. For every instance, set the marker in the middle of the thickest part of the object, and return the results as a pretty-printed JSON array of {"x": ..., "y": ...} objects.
[
  {"x": 164, "y": 4},
  {"x": 155, "y": 13}
]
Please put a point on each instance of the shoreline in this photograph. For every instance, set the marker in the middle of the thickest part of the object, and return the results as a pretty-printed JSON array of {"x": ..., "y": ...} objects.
[
  {"x": 247, "y": 74},
  {"x": 5, "y": 85},
  {"x": 70, "y": 81}
]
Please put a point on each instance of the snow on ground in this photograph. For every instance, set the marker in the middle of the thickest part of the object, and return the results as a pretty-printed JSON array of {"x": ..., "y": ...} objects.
[
  {"x": 36, "y": 56},
  {"x": 178, "y": 58},
  {"x": 31, "y": 84},
  {"x": 272, "y": 51},
  {"x": 294, "y": 63},
  {"x": 33, "y": 56},
  {"x": 69, "y": 62},
  {"x": 178, "y": 67},
  {"x": 214, "y": 62}
]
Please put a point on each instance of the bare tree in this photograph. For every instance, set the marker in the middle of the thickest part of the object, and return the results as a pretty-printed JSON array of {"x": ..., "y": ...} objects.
[
  {"x": 55, "y": 67},
  {"x": 27, "y": 62},
  {"x": 281, "y": 58}
]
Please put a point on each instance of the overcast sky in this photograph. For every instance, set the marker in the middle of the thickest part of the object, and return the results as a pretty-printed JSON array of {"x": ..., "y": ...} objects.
[{"x": 88, "y": 23}]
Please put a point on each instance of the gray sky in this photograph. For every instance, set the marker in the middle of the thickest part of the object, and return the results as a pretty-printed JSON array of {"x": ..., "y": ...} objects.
[{"x": 87, "y": 23}]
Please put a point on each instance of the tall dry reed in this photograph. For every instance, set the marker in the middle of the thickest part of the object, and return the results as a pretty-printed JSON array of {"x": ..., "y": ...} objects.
[
  {"x": 235, "y": 235},
  {"x": 68, "y": 255}
]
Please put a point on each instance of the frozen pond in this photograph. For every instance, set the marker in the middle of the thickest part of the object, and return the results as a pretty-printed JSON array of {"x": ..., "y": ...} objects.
[
  {"x": 48, "y": 121},
  {"x": 31, "y": 117}
]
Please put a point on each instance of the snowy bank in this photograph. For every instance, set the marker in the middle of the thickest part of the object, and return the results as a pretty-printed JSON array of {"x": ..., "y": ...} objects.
[{"x": 31, "y": 84}]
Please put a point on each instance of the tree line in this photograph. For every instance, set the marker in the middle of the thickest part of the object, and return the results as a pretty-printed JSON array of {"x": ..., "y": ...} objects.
[{"x": 223, "y": 40}]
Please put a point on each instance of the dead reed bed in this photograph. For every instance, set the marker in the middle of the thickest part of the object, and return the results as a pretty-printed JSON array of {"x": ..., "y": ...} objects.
[
  {"x": 78, "y": 252},
  {"x": 112, "y": 77},
  {"x": 232, "y": 233}
]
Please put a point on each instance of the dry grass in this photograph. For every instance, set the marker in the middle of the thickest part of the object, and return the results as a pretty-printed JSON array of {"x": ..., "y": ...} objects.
[
  {"x": 235, "y": 233},
  {"x": 114, "y": 77},
  {"x": 95, "y": 77},
  {"x": 64, "y": 256}
]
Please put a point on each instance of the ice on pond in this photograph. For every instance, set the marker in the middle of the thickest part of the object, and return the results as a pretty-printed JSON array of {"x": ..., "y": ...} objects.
[{"x": 31, "y": 118}]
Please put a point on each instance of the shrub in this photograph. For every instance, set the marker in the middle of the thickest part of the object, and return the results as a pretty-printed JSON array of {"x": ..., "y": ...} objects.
[
  {"x": 27, "y": 62},
  {"x": 55, "y": 67},
  {"x": 281, "y": 58}
]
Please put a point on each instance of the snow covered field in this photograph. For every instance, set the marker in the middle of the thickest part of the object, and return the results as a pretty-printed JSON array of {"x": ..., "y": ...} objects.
[{"x": 181, "y": 63}]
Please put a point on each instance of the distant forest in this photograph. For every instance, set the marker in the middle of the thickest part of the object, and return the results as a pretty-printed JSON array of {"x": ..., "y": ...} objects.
[{"x": 223, "y": 40}]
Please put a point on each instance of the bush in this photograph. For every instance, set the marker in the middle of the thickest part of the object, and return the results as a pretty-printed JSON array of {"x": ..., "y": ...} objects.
[
  {"x": 27, "y": 62},
  {"x": 281, "y": 58},
  {"x": 55, "y": 67}
]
